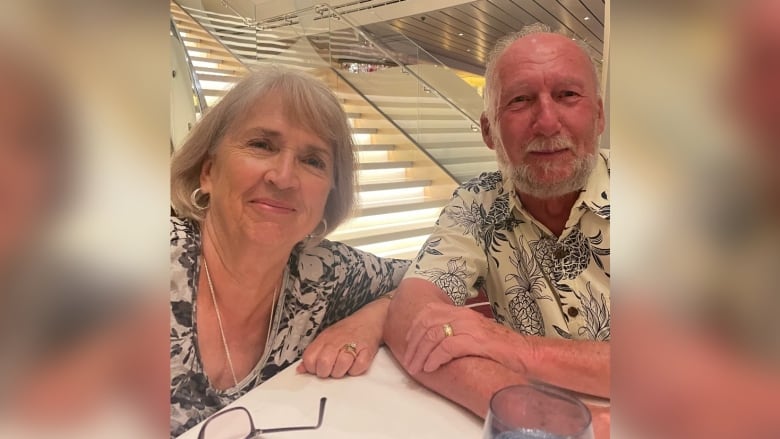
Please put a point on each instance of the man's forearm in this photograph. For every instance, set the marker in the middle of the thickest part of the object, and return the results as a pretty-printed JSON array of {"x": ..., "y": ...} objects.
[
  {"x": 582, "y": 366},
  {"x": 468, "y": 381}
]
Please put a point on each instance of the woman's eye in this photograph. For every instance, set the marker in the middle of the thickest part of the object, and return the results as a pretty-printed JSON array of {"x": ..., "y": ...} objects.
[
  {"x": 315, "y": 162},
  {"x": 260, "y": 144}
]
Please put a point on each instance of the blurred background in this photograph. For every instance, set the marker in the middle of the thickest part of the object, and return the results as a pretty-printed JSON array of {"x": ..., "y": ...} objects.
[
  {"x": 695, "y": 107},
  {"x": 84, "y": 147}
]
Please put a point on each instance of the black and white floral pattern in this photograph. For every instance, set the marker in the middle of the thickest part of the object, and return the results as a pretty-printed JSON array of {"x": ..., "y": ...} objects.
[
  {"x": 537, "y": 283},
  {"x": 322, "y": 285}
]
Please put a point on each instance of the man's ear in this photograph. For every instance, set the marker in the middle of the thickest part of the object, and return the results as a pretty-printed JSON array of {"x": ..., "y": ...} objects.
[
  {"x": 485, "y": 126},
  {"x": 205, "y": 175}
]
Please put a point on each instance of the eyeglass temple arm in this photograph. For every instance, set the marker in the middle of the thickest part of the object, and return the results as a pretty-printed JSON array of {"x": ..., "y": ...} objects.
[{"x": 312, "y": 427}]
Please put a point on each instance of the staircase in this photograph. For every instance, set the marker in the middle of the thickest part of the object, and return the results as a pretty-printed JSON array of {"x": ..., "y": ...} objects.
[{"x": 402, "y": 188}]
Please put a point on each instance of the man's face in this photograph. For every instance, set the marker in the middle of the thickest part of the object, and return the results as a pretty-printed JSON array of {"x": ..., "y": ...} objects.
[{"x": 549, "y": 116}]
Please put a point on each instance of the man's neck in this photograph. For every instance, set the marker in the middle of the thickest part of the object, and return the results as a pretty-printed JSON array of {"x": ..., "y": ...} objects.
[{"x": 552, "y": 212}]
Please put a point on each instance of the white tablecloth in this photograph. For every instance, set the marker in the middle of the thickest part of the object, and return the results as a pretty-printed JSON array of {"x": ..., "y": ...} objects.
[{"x": 382, "y": 404}]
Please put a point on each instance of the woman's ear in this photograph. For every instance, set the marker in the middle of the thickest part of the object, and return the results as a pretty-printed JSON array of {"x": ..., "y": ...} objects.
[
  {"x": 205, "y": 175},
  {"x": 485, "y": 126}
]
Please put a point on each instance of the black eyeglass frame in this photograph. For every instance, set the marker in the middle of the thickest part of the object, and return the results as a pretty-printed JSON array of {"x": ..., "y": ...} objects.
[{"x": 258, "y": 431}]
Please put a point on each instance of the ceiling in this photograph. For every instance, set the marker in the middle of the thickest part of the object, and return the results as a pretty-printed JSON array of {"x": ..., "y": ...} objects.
[{"x": 462, "y": 35}]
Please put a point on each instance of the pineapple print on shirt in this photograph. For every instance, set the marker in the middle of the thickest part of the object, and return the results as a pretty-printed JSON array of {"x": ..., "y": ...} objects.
[
  {"x": 529, "y": 284},
  {"x": 452, "y": 280},
  {"x": 565, "y": 260}
]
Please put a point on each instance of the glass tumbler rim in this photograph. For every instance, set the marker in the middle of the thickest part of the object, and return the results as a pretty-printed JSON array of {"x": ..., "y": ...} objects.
[{"x": 549, "y": 390}]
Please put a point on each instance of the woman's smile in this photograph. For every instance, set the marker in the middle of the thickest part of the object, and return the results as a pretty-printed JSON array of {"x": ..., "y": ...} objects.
[{"x": 273, "y": 206}]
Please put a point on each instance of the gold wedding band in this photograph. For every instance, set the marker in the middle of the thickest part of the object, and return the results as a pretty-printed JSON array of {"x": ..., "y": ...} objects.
[
  {"x": 447, "y": 330},
  {"x": 351, "y": 349}
]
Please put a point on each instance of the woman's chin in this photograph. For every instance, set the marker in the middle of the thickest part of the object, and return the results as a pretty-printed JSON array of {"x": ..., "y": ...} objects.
[{"x": 273, "y": 234}]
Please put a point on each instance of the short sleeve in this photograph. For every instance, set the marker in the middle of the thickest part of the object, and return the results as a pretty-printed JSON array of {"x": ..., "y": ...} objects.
[
  {"x": 453, "y": 258},
  {"x": 359, "y": 278}
]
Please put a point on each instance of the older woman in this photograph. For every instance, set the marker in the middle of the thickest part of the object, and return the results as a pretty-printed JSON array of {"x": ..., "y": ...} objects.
[{"x": 260, "y": 181}]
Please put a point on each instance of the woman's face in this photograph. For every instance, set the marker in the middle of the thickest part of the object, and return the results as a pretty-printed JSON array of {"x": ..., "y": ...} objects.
[{"x": 269, "y": 179}]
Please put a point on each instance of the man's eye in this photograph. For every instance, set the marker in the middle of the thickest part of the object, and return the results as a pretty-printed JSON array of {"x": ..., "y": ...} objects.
[
  {"x": 520, "y": 99},
  {"x": 568, "y": 94}
]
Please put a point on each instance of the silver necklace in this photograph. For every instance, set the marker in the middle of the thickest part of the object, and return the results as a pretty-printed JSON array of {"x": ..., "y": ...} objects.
[{"x": 222, "y": 330}]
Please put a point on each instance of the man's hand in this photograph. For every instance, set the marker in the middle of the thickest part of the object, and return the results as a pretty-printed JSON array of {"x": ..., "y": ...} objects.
[{"x": 473, "y": 334}]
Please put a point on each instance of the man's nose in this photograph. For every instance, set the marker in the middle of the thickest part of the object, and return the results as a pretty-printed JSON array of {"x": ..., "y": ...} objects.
[{"x": 547, "y": 120}]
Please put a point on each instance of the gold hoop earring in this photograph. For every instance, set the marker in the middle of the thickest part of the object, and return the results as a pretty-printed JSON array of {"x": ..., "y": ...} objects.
[
  {"x": 194, "y": 199},
  {"x": 322, "y": 234}
]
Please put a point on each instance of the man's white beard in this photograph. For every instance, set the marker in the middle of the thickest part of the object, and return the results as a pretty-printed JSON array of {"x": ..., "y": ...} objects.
[{"x": 523, "y": 177}]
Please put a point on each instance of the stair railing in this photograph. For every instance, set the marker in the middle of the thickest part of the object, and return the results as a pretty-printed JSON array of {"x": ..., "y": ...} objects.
[
  {"x": 324, "y": 10},
  {"x": 201, "y": 99}
]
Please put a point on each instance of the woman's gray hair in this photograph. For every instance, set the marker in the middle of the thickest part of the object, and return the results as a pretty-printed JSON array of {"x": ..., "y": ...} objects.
[
  {"x": 492, "y": 84},
  {"x": 306, "y": 101}
]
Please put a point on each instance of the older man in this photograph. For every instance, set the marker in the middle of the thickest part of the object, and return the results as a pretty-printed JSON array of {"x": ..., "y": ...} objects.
[{"x": 534, "y": 236}]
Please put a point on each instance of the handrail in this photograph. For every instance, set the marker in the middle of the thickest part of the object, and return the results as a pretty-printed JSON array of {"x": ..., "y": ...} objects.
[
  {"x": 211, "y": 34},
  {"x": 191, "y": 68},
  {"x": 404, "y": 66},
  {"x": 318, "y": 9}
]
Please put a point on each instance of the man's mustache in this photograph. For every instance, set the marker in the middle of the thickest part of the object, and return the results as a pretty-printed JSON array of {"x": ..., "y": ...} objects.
[{"x": 549, "y": 144}]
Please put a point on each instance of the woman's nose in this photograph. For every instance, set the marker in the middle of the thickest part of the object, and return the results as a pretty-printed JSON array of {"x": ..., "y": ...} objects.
[{"x": 282, "y": 172}]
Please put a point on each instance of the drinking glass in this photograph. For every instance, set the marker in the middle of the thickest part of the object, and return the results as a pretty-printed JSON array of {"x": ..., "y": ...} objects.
[{"x": 536, "y": 411}]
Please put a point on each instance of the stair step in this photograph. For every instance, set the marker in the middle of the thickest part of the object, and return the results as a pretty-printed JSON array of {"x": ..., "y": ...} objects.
[
  {"x": 455, "y": 145},
  {"x": 389, "y": 236},
  {"x": 218, "y": 60},
  {"x": 376, "y": 147},
  {"x": 368, "y": 166},
  {"x": 407, "y": 248},
  {"x": 369, "y": 187},
  {"x": 384, "y": 105},
  {"x": 212, "y": 92},
  {"x": 412, "y": 116},
  {"x": 216, "y": 71},
  {"x": 207, "y": 42},
  {"x": 448, "y": 161},
  {"x": 364, "y": 130},
  {"x": 218, "y": 78},
  {"x": 395, "y": 206},
  {"x": 441, "y": 130}
]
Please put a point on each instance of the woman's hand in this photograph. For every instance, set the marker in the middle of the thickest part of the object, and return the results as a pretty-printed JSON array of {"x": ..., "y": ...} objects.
[{"x": 329, "y": 355}]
